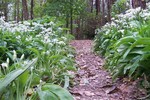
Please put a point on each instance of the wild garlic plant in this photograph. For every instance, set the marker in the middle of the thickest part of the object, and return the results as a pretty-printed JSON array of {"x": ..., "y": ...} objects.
[
  {"x": 21, "y": 42},
  {"x": 124, "y": 43}
]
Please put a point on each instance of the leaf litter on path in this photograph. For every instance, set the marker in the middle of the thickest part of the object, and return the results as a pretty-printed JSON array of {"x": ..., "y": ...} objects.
[{"x": 95, "y": 83}]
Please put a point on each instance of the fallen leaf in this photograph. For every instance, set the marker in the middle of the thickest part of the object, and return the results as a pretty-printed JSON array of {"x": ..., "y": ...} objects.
[
  {"x": 112, "y": 90},
  {"x": 88, "y": 93}
]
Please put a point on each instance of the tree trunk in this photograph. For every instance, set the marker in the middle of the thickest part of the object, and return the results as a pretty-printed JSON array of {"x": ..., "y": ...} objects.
[
  {"x": 109, "y": 10},
  {"x": 6, "y": 11},
  {"x": 103, "y": 13},
  {"x": 32, "y": 5},
  {"x": 97, "y": 7},
  {"x": 78, "y": 28},
  {"x": 139, "y": 3},
  {"x": 25, "y": 10},
  {"x": 71, "y": 17},
  {"x": 131, "y": 4},
  {"x": 67, "y": 21},
  {"x": 18, "y": 11},
  {"x": 92, "y": 6},
  {"x": 143, "y": 4},
  {"x": 135, "y": 3},
  {"x": 15, "y": 13}
]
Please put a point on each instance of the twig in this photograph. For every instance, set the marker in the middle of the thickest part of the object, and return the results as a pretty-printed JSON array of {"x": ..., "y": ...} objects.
[{"x": 143, "y": 98}]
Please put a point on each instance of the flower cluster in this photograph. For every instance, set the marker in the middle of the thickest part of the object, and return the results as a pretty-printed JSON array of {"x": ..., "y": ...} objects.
[
  {"x": 45, "y": 31},
  {"x": 129, "y": 19}
]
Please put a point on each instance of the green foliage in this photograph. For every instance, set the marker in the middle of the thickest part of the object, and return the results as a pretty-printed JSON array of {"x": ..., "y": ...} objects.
[
  {"x": 54, "y": 92},
  {"x": 17, "y": 78},
  {"x": 125, "y": 43},
  {"x": 119, "y": 6},
  {"x": 20, "y": 77}
]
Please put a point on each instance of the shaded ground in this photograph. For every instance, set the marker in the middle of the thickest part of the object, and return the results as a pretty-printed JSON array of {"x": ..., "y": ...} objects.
[{"x": 95, "y": 83}]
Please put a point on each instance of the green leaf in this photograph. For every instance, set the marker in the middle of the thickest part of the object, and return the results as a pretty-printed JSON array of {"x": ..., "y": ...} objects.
[
  {"x": 47, "y": 95},
  {"x": 139, "y": 42},
  {"x": 34, "y": 50},
  {"x": 134, "y": 66},
  {"x": 142, "y": 41},
  {"x": 61, "y": 93},
  {"x": 13, "y": 75},
  {"x": 124, "y": 40},
  {"x": 23, "y": 78}
]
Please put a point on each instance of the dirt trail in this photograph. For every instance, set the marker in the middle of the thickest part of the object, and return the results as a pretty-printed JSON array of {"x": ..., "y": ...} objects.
[{"x": 95, "y": 83}]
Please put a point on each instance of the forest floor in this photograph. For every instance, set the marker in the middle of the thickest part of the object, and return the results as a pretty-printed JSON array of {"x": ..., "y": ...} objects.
[{"x": 93, "y": 82}]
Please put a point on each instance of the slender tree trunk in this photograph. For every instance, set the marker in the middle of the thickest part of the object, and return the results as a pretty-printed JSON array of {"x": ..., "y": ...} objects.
[
  {"x": 82, "y": 25},
  {"x": 15, "y": 13},
  {"x": 139, "y": 3},
  {"x": 18, "y": 10},
  {"x": 67, "y": 20},
  {"x": 92, "y": 6},
  {"x": 71, "y": 17},
  {"x": 32, "y": 5},
  {"x": 97, "y": 7},
  {"x": 6, "y": 11},
  {"x": 135, "y": 3},
  {"x": 143, "y": 4},
  {"x": 22, "y": 16},
  {"x": 109, "y": 10},
  {"x": 78, "y": 28},
  {"x": 25, "y": 10},
  {"x": 71, "y": 22},
  {"x": 131, "y": 4},
  {"x": 103, "y": 13}
]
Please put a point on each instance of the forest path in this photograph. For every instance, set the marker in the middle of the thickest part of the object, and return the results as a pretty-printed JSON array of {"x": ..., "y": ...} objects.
[{"x": 93, "y": 82}]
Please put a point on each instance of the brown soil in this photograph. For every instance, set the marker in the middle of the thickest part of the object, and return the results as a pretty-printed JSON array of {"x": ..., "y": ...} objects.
[{"x": 93, "y": 82}]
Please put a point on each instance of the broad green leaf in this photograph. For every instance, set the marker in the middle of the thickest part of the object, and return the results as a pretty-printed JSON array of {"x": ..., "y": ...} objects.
[
  {"x": 134, "y": 66},
  {"x": 124, "y": 40},
  {"x": 13, "y": 75},
  {"x": 47, "y": 95},
  {"x": 23, "y": 78},
  {"x": 34, "y": 50},
  {"x": 122, "y": 48},
  {"x": 61, "y": 93},
  {"x": 142, "y": 41},
  {"x": 127, "y": 67}
]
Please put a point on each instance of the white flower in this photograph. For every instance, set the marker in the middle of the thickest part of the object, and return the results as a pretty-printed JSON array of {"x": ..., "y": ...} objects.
[
  {"x": 31, "y": 68},
  {"x": 70, "y": 55},
  {"x": 14, "y": 55},
  {"x": 26, "y": 23},
  {"x": 7, "y": 60},
  {"x": 51, "y": 23},
  {"x": 41, "y": 81},
  {"x": 21, "y": 58},
  {"x": 122, "y": 31},
  {"x": 18, "y": 37},
  {"x": 64, "y": 38},
  {"x": 49, "y": 30},
  {"x": 55, "y": 40},
  {"x": 59, "y": 29},
  {"x": 47, "y": 53},
  {"x": 61, "y": 43},
  {"x": 4, "y": 65}
]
